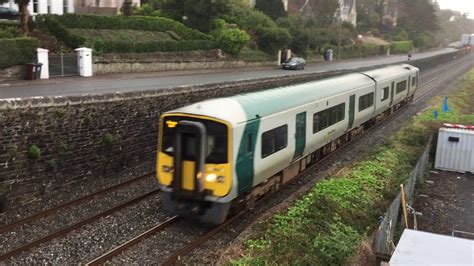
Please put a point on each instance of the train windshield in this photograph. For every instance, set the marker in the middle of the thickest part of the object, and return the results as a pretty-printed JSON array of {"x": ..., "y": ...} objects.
[{"x": 216, "y": 140}]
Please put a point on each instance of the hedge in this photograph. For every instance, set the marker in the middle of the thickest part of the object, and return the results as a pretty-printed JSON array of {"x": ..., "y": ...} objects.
[
  {"x": 55, "y": 27},
  {"x": 401, "y": 47},
  {"x": 17, "y": 51},
  {"x": 149, "y": 47},
  {"x": 74, "y": 21}
]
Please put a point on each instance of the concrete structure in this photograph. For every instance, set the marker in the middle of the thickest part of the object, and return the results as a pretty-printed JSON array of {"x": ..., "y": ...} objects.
[
  {"x": 43, "y": 59},
  {"x": 423, "y": 248}
]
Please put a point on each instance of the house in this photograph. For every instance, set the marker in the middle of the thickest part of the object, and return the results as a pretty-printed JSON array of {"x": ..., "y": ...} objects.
[
  {"x": 45, "y": 6},
  {"x": 60, "y": 7},
  {"x": 347, "y": 10}
]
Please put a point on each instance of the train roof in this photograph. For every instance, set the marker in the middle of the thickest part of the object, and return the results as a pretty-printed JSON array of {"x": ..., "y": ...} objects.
[
  {"x": 244, "y": 107},
  {"x": 271, "y": 101},
  {"x": 390, "y": 72},
  {"x": 268, "y": 102}
]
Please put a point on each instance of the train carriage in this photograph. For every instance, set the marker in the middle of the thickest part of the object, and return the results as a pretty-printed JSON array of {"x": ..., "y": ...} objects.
[{"x": 219, "y": 155}]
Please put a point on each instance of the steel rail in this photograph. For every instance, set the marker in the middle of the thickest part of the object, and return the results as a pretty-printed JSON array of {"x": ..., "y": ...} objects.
[
  {"x": 61, "y": 232},
  {"x": 121, "y": 248},
  {"x": 47, "y": 212}
]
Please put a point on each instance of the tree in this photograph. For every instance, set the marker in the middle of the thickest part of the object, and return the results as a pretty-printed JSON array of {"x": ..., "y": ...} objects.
[
  {"x": 320, "y": 13},
  {"x": 272, "y": 8},
  {"x": 197, "y": 14},
  {"x": 418, "y": 16},
  {"x": 23, "y": 6}
]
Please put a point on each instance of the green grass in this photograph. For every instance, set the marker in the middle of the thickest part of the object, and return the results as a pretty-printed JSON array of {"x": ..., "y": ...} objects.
[
  {"x": 92, "y": 35},
  {"x": 326, "y": 226}
]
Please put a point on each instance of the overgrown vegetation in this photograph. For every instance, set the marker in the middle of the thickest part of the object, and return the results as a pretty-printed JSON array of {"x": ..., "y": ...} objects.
[{"x": 326, "y": 226}]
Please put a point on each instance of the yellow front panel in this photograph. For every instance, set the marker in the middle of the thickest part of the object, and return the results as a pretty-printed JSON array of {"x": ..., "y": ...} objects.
[{"x": 219, "y": 189}]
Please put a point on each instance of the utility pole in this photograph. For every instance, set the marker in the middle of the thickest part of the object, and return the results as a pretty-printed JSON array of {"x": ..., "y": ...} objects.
[{"x": 339, "y": 39}]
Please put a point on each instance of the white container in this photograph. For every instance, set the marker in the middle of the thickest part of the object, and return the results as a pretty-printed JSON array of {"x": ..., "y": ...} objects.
[
  {"x": 455, "y": 149},
  {"x": 467, "y": 39}
]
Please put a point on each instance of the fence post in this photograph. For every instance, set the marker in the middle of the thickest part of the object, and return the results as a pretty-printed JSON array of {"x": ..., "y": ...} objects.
[{"x": 43, "y": 59}]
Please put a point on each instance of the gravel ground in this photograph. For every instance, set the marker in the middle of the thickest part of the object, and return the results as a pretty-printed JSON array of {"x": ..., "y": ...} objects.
[
  {"x": 162, "y": 245},
  {"x": 75, "y": 190},
  {"x": 93, "y": 240},
  {"x": 30, "y": 231},
  {"x": 443, "y": 196}
]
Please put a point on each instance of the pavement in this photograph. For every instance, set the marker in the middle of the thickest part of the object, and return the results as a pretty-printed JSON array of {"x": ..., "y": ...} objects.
[{"x": 110, "y": 83}]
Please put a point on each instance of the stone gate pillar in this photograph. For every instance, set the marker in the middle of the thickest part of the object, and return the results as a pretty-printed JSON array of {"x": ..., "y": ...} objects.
[
  {"x": 84, "y": 61},
  {"x": 43, "y": 59}
]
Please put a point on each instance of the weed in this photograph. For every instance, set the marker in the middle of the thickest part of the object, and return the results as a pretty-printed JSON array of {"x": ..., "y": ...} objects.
[
  {"x": 34, "y": 152},
  {"x": 107, "y": 139}
]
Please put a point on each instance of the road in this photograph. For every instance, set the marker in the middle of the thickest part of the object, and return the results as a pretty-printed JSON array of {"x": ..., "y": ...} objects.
[{"x": 75, "y": 86}]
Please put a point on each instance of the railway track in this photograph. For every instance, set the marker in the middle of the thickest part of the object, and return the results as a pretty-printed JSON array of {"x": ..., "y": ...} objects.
[
  {"x": 39, "y": 215},
  {"x": 65, "y": 230},
  {"x": 428, "y": 84}
]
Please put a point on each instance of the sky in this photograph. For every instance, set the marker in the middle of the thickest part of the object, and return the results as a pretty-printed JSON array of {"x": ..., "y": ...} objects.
[{"x": 458, "y": 5}]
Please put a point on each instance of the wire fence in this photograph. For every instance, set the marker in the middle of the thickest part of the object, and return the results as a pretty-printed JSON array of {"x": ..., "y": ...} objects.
[{"x": 384, "y": 238}]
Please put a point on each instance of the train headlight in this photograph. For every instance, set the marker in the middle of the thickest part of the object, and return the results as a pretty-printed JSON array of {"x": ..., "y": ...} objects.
[
  {"x": 211, "y": 178},
  {"x": 167, "y": 169}
]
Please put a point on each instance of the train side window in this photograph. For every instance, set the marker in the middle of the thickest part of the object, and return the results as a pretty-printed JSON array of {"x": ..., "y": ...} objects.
[
  {"x": 274, "y": 140},
  {"x": 401, "y": 86},
  {"x": 328, "y": 117},
  {"x": 385, "y": 92},
  {"x": 413, "y": 81},
  {"x": 366, "y": 101}
]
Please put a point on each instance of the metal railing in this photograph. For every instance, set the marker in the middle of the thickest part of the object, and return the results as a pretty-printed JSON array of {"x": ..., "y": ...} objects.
[{"x": 384, "y": 238}]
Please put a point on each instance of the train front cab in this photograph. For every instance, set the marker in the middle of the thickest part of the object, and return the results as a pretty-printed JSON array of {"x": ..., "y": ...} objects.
[{"x": 194, "y": 166}]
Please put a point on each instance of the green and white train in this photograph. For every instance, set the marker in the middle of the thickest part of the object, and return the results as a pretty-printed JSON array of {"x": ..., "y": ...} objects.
[{"x": 220, "y": 155}]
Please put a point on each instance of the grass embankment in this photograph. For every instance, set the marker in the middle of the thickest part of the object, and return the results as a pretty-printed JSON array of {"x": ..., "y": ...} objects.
[{"x": 326, "y": 226}]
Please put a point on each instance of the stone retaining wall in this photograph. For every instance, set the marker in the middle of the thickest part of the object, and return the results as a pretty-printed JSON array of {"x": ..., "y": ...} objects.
[{"x": 50, "y": 142}]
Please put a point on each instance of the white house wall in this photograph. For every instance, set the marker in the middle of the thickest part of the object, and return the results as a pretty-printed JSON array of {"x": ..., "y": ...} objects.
[{"x": 56, "y": 6}]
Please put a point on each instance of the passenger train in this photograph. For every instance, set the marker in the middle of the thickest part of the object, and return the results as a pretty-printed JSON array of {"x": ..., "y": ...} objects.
[{"x": 218, "y": 156}]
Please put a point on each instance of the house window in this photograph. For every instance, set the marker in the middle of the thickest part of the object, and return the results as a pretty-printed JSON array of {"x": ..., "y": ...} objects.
[
  {"x": 401, "y": 86},
  {"x": 328, "y": 117},
  {"x": 385, "y": 92},
  {"x": 274, "y": 140},
  {"x": 366, "y": 101},
  {"x": 35, "y": 6},
  {"x": 97, "y": 3}
]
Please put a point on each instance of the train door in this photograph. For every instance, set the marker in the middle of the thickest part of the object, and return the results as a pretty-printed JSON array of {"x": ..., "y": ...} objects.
[
  {"x": 409, "y": 85},
  {"x": 351, "y": 111},
  {"x": 244, "y": 165},
  {"x": 300, "y": 135},
  {"x": 392, "y": 93}
]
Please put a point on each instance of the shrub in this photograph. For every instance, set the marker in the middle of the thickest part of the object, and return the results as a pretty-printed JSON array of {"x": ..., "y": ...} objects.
[
  {"x": 74, "y": 21},
  {"x": 152, "y": 46},
  {"x": 17, "y": 51},
  {"x": 272, "y": 39},
  {"x": 231, "y": 40},
  {"x": 401, "y": 47},
  {"x": 55, "y": 27}
]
